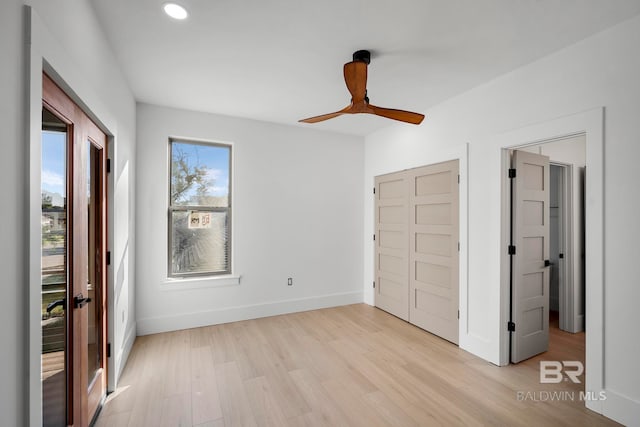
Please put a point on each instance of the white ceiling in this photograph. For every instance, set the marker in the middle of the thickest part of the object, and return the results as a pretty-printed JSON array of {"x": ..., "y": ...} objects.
[{"x": 281, "y": 60}]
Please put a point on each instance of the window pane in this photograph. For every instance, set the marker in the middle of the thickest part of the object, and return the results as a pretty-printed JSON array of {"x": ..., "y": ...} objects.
[
  {"x": 199, "y": 174},
  {"x": 54, "y": 271},
  {"x": 199, "y": 242}
]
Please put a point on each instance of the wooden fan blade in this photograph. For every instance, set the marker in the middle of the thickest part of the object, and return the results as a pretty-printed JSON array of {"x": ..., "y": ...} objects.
[
  {"x": 324, "y": 117},
  {"x": 400, "y": 115},
  {"x": 355, "y": 76}
]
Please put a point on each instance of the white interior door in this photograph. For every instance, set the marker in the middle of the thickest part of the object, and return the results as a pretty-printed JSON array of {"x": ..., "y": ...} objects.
[
  {"x": 433, "y": 249},
  {"x": 530, "y": 270},
  {"x": 391, "y": 244}
]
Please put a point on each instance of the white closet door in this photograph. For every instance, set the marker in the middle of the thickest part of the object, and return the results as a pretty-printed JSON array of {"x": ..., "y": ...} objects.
[
  {"x": 433, "y": 249},
  {"x": 391, "y": 244}
]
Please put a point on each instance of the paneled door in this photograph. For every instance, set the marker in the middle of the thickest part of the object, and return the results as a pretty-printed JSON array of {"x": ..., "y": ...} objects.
[
  {"x": 81, "y": 276},
  {"x": 530, "y": 255},
  {"x": 392, "y": 244},
  {"x": 416, "y": 247},
  {"x": 433, "y": 249}
]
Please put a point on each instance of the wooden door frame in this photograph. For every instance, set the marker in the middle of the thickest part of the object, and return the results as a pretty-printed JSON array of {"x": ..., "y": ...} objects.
[
  {"x": 101, "y": 195},
  {"x": 82, "y": 131},
  {"x": 590, "y": 123}
]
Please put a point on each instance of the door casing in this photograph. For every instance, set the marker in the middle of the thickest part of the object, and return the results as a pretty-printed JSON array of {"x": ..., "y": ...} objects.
[{"x": 591, "y": 124}]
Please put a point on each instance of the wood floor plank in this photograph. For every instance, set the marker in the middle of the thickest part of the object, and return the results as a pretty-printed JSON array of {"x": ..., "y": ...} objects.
[
  {"x": 118, "y": 419},
  {"x": 324, "y": 411},
  {"x": 176, "y": 411},
  {"x": 205, "y": 399},
  {"x": 380, "y": 404},
  {"x": 214, "y": 423},
  {"x": 233, "y": 397},
  {"x": 177, "y": 374},
  {"x": 266, "y": 406},
  {"x": 343, "y": 366}
]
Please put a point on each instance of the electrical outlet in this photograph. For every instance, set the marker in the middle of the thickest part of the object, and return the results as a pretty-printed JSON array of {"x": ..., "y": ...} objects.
[{"x": 290, "y": 281}]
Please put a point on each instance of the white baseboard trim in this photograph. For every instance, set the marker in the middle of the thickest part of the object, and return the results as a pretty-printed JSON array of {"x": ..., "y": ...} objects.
[
  {"x": 154, "y": 325},
  {"x": 621, "y": 409}
]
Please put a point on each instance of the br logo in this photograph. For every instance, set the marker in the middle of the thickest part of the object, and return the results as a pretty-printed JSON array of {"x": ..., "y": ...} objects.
[{"x": 553, "y": 372}]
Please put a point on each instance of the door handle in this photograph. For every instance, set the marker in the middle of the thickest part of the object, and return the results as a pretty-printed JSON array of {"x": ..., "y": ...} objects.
[
  {"x": 80, "y": 301},
  {"x": 547, "y": 263}
]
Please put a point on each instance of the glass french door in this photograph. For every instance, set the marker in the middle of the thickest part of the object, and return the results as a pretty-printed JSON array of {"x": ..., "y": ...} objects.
[{"x": 73, "y": 262}]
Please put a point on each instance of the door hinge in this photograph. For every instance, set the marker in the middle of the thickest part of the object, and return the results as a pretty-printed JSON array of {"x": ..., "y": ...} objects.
[
  {"x": 511, "y": 327},
  {"x": 374, "y": 237},
  {"x": 108, "y": 165},
  {"x": 374, "y": 190},
  {"x": 374, "y": 284},
  {"x": 512, "y": 250},
  {"x": 512, "y": 173},
  {"x": 108, "y": 257},
  {"x": 458, "y": 314},
  {"x": 561, "y": 256},
  {"x": 458, "y": 178},
  {"x": 109, "y": 349},
  {"x": 458, "y": 246}
]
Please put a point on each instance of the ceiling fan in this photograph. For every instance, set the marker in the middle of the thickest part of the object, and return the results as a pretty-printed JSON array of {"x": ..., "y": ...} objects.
[{"x": 355, "y": 76}]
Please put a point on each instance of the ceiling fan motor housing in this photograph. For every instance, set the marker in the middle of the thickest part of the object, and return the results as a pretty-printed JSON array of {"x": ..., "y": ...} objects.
[{"x": 362, "y": 56}]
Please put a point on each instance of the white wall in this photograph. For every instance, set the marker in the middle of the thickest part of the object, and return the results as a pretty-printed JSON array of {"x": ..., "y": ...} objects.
[
  {"x": 297, "y": 212},
  {"x": 66, "y": 35},
  {"x": 599, "y": 71},
  {"x": 13, "y": 263}
]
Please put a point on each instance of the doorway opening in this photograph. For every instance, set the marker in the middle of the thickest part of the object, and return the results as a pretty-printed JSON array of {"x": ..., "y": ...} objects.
[{"x": 547, "y": 251}]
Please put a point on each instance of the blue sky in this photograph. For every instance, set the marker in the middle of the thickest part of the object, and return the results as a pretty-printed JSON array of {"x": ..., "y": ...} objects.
[
  {"x": 54, "y": 162},
  {"x": 214, "y": 158}
]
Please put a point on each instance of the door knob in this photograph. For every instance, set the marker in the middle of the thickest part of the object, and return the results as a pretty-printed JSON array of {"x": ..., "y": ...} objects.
[
  {"x": 80, "y": 301},
  {"x": 547, "y": 263}
]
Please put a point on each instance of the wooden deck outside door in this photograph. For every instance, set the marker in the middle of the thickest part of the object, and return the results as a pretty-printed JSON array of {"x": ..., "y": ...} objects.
[
  {"x": 433, "y": 253},
  {"x": 87, "y": 219}
]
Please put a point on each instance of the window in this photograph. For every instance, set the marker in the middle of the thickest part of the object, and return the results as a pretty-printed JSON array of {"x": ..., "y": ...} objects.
[{"x": 199, "y": 208}]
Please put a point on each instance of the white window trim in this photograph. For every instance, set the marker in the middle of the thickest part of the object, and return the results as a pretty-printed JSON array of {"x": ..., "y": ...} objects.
[{"x": 201, "y": 282}]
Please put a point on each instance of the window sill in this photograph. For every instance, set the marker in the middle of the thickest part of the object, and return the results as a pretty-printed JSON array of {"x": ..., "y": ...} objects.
[{"x": 177, "y": 284}]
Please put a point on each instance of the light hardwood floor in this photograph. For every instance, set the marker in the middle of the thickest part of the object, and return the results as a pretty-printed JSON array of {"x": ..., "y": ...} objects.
[{"x": 346, "y": 366}]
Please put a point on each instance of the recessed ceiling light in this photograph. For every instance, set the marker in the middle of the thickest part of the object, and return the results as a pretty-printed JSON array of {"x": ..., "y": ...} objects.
[{"x": 175, "y": 11}]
